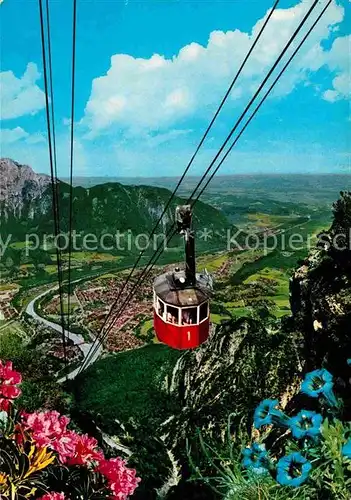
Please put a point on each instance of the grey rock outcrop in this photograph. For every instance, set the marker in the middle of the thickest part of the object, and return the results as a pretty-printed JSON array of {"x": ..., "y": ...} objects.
[
  {"x": 19, "y": 185},
  {"x": 321, "y": 297},
  {"x": 242, "y": 363}
]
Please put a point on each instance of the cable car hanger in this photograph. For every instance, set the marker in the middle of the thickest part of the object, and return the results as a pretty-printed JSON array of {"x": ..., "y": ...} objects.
[
  {"x": 181, "y": 297},
  {"x": 98, "y": 341}
]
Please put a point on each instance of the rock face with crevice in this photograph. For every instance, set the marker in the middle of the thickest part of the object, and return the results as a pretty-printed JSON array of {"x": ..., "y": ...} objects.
[
  {"x": 245, "y": 360},
  {"x": 321, "y": 298},
  {"x": 242, "y": 363}
]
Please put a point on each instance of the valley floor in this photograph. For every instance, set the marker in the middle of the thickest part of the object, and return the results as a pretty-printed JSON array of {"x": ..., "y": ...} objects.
[{"x": 245, "y": 280}]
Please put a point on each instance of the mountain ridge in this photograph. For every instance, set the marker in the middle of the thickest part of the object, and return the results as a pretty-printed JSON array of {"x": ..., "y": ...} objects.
[{"x": 26, "y": 205}]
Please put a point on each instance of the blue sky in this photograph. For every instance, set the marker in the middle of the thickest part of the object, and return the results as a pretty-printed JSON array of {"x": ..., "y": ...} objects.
[{"x": 150, "y": 74}]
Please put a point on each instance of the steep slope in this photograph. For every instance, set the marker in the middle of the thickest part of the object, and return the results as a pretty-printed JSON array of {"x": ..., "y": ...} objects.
[
  {"x": 246, "y": 361},
  {"x": 321, "y": 298},
  {"x": 222, "y": 377}
]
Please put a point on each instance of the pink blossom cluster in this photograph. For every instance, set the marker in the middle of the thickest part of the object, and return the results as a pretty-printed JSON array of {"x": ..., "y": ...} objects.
[
  {"x": 121, "y": 480},
  {"x": 49, "y": 429},
  {"x": 53, "y": 496},
  {"x": 9, "y": 379},
  {"x": 85, "y": 451}
]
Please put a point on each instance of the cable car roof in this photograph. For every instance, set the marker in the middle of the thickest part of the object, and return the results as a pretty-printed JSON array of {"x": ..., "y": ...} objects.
[{"x": 167, "y": 289}]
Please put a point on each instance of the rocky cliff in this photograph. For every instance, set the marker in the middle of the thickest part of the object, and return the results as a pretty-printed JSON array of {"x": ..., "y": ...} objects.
[
  {"x": 321, "y": 299},
  {"x": 242, "y": 362},
  {"x": 246, "y": 360},
  {"x": 18, "y": 186}
]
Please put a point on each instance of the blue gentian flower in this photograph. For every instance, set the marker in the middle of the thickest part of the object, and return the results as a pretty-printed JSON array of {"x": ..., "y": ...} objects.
[
  {"x": 256, "y": 458},
  {"x": 306, "y": 424},
  {"x": 293, "y": 470},
  {"x": 266, "y": 413},
  {"x": 346, "y": 449},
  {"x": 319, "y": 383}
]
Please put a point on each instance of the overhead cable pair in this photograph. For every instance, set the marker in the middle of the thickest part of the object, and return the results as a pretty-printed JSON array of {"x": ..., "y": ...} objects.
[{"x": 172, "y": 230}]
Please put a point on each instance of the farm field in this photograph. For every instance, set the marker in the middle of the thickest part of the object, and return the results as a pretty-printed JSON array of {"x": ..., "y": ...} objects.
[
  {"x": 262, "y": 220},
  {"x": 146, "y": 327},
  {"x": 82, "y": 257},
  {"x": 212, "y": 262},
  {"x": 8, "y": 286},
  {"x": 74, "y": 306},
  {"x": 13, "y": 328},
  {"x": 280, "y": 281}
]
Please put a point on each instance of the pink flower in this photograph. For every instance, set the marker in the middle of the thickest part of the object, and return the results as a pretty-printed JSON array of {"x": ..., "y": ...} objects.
[
  {"x": 65, "y": 446},
  {"x": 46, "y": 426},
  {"x": 9, "y": 379},
  {"x": 50, "y": 429},
  {"x": 85, "y": 451},
  {"x": 121, "y": 480},
  {"x": 53, "y": 496}
]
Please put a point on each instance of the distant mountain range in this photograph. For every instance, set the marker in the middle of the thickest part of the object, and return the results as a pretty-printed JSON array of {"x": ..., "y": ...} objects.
[
  {"x": 26, "y": 206},
  {"x": 314, "y": 189}
]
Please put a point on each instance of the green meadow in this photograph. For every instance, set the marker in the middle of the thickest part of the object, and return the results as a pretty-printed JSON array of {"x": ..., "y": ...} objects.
[{"x": 128, "y": 385}]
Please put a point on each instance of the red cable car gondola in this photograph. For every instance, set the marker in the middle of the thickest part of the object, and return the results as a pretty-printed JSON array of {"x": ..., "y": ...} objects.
[{"x": 181, "y": 298}]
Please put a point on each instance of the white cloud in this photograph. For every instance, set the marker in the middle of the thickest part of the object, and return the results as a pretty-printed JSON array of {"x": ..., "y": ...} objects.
[
  {"x": 145, "y": 105},
  {"x": 7, "y": 136},
  {"x": 158, "y": 139},
  {"x": 145, "y": 158},
  {"x": 339, "y": 60},
  {"x": 20, "y": 96},
  {"x": 36, "y": 138},
  {"x": 152, "y": 95},
  {"x": 14, "y": 135}
]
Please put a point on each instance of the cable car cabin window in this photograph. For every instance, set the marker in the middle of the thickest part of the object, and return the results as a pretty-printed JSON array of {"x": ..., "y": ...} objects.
[
  {"x": 172, "y": 315},
  {"x": 160, "y": 308},
  {"x": 189, "y": 316},
  {"x": 203, "y": 311}
]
